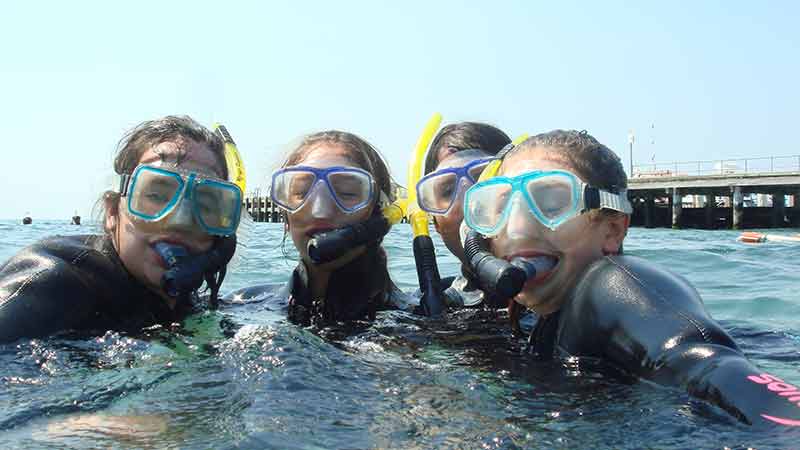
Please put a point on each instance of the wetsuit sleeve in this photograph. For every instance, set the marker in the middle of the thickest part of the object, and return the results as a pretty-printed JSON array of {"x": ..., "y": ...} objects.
[
  {"x": 653, "y": 323},
  {"x": 36, "y": 295}
]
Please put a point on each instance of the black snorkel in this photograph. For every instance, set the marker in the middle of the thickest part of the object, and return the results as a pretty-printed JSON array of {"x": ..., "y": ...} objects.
[
  {"x": 186, "y": 272},
  {"x": 498, "y": 276},
  {"x": 329, "y": 245}
]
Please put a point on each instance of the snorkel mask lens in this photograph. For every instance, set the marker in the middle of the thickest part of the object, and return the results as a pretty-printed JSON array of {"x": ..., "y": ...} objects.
[
  {"x": 156, "y": 194},
  {"x": 350, "y": 187},
  {"x": 438, "y": 191}
]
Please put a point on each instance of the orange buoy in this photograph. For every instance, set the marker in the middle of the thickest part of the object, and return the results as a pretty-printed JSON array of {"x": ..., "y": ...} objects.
[{"x": 751, "y": 237}]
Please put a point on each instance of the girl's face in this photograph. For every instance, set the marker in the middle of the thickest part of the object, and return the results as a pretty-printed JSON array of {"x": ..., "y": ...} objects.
[
  {"x": 321, "y": 213},
  {"x": 449, "y": 224},
  {"x": 135, "y": 241},
  {"x": 572, "y": 246}
]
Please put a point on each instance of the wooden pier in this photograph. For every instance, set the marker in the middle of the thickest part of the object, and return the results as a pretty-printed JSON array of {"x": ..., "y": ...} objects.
[
  {"x": 737, "y": 194},
  {"x": 261, "y": 208}
]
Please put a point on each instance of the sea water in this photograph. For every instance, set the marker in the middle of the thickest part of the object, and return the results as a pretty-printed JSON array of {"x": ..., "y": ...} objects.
[{"x": 243, "y": 377}]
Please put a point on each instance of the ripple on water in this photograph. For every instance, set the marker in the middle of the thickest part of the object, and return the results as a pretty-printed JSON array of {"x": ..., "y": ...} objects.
[{"x": 246, "y": 378}]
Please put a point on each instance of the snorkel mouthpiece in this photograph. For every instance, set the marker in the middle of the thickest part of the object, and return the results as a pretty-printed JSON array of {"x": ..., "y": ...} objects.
[
  {"x": 330, "y": 245},
  {"x": 173, "y": 255},
  {"x": 185, "y": 272},
  {"x": 494, "y": 274},
  {"x": 528, "y": 266}
]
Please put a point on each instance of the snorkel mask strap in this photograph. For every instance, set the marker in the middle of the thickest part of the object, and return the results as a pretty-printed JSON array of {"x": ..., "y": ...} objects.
[
  {"x": 124, "y": 181},
  {"x": 595, "y": 198}
]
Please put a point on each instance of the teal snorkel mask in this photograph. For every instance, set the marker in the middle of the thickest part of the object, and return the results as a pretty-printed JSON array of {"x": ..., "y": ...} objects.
[{"x": 553, "y": 197}]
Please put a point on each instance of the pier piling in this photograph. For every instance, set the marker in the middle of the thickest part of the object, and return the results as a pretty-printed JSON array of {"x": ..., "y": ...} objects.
[
  {"x": 778, "y": 209},
  {"x": 677, "y": 207},
  {"x": 711, "y": 204},
  {"x": 737, "y": 202}
]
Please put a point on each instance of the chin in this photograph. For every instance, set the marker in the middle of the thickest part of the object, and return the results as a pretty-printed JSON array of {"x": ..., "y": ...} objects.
[{"x": 153, "y": 277}]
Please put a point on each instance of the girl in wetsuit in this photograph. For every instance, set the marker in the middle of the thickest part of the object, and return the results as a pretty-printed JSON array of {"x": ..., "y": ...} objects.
[
  {"x": 557, "y": 208},
  {"x": 331, "y": 180},
  {"x": 456, "y": 157},
  {"x": 169, "y": 227}
]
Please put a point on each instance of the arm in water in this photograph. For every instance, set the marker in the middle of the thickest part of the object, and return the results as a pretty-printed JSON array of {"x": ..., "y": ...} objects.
[{"x": 653, "y": 324}]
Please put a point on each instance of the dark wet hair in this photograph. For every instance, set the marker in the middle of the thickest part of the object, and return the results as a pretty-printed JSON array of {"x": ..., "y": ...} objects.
[
  {"x": 464, "y": 136},
  {"x": 167, "y": 129},
  {"x": 595, "y": 163},
  {"x": 362, "y": 152},
  {"x": 153, "y": 132}
]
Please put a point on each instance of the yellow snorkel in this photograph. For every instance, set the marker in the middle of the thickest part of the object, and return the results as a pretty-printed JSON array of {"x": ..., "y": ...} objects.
[
  {"x": 233, "y": 159},
  {"x": 431, "y": 302},
  {"x": 491, "y": 170},
  {"x": 417, "y": 217}
]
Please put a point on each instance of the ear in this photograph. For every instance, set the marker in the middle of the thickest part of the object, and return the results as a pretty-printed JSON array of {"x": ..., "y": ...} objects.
[
  {"x": 111, "y": 203},
  {"x": 616, "y": 228}
]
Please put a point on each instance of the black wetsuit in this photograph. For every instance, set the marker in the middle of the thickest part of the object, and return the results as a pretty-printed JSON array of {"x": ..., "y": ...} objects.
[
  {"x": 464, "y": 291},
  {"x": 653, "y": 324},
  {"x": 355, "y": 292},
  {"x": 76, "y": 283}
]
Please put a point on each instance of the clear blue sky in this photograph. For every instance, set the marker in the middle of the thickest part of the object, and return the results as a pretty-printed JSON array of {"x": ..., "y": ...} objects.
[{"x": 717, "y": 79}]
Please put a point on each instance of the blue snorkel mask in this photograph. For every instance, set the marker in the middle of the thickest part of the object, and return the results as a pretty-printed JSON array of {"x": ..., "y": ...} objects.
[
  {"x": 350, "y": 188},
  {"x": 553, "y": 197}
]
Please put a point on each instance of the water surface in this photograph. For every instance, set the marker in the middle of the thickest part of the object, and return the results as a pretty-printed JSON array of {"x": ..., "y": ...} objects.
[{"x": 245, "y": 378}]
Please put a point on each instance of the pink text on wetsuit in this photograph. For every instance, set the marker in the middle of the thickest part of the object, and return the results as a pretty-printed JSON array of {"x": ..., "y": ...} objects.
[{"x": 782, "y": 388}]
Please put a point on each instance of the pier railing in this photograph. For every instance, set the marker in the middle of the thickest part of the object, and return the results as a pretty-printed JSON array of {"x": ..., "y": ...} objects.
[{"x": 767, "y": 164}]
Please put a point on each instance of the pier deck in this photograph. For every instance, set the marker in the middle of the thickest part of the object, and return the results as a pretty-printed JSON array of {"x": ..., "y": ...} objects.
[{"x": 747, "y": 193}]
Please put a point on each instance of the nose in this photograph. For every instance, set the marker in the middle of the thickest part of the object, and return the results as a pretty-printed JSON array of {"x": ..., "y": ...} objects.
[
  {"x": 182, "y": 216},
  {"x": 457, "y": 208},
  {"x": 521, "y": 223},
  {"x": 323, "y": 206}
]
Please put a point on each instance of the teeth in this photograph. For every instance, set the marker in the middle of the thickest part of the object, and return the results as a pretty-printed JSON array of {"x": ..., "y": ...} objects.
[{"x": 535, "y": 265}]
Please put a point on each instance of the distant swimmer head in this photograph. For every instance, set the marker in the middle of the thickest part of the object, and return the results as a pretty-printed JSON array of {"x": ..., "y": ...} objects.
[
  {"x": 173, "y": 189},
  {"x": 455, "y": 159},
  {"x": 557, "y": 204},
  {"x": 333, "y": 179}
]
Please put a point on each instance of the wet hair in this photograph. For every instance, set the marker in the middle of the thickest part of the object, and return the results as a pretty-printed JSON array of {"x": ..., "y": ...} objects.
[
  {"x": 465, "y": 136},
  {"x": 592, "y": 161},
  {"x": 362, "y": 152},
  {"x": 153, "y": 132}
]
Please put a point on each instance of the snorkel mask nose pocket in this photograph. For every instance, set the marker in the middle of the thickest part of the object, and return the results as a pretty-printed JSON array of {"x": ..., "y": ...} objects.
[{"x": 323, "y": 206}]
